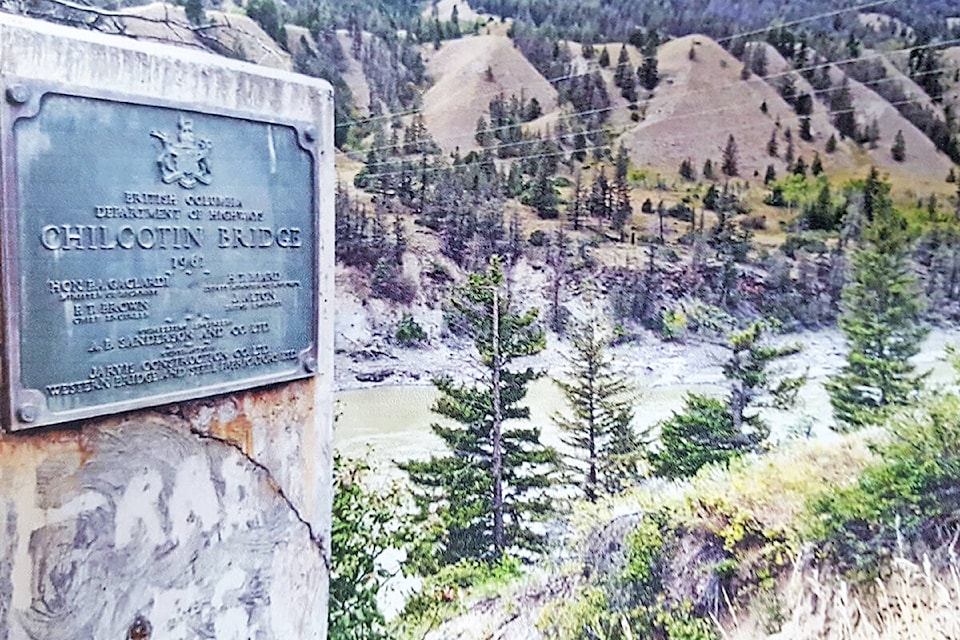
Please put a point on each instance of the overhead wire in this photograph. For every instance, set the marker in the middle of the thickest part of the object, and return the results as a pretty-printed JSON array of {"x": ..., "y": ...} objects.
[
  {"x": 635, "y": 105},
  {"x": 415, "y": 169},
  {"x": 734, "y": 85},
  {"x": 818, "y": 16}
]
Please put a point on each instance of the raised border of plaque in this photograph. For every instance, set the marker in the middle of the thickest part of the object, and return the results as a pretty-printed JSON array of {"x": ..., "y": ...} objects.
[{"x": 152, "y": 252}]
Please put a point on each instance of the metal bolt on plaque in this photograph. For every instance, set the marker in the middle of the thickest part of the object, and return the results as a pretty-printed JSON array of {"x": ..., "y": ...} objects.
[{"x": 17, "y": 94}]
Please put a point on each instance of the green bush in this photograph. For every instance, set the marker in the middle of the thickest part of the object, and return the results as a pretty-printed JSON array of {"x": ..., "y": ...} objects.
[
  {"x": 673, "y": 324},
  {"x": 808, "y": 242},
  {"x": 365, "y": 524},
  {"x": 538, "y": 238},
  {"x": 442, "y": 591},
  {"x": 409, "y": 333},
  {"x": 703, "y": 433},
  {"x": 902, "y": 499},
  {"x": 644, "y": 556}
]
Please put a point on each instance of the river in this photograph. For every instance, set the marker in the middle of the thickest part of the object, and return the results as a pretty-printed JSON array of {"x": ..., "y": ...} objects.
[{"x": 385, "y": 424}]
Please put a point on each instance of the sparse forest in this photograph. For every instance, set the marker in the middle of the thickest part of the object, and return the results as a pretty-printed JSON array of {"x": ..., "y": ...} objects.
[{"x": 738, "y": 246}]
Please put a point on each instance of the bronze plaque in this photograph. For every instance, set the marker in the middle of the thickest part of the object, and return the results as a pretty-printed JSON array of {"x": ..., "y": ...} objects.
[{"x": 151, "y": 253}]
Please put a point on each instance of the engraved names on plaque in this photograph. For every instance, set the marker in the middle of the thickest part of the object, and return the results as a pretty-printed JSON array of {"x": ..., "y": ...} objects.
[{"x": 157, "y": 254}]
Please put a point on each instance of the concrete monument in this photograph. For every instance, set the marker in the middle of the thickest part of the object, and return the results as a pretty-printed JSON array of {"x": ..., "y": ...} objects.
[{"x": 167, "y": 262}]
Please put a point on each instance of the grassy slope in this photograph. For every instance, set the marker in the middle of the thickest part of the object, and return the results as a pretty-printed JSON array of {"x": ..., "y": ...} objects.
[{"x": 462, "y": 90}]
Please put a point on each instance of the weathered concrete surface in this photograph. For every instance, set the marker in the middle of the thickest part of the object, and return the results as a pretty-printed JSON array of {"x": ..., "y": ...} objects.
[
  {"x": 210, "y": 518},
  {"x": 143, "y": 516}
]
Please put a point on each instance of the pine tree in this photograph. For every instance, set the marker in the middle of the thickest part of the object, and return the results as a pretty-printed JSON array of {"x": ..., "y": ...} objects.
[
  {"x": 195, "y": 12},
  {"x": 773, "y": 148},
  {"x": 800, "y": 167},
  {"x": 622, "y": 210},
  {"x": 599, "y": 202},
  {"x": 821, "y": 214},
  {"x": 816, "y": 167},
  {"x": 575, "y": 207},
  {"x": 751, "y": 384},
  {"x": 880, "y": 320},
  {"x": 483, "y": 494},
  {"x": 621, "y": 165},
  {"x": 899, "y": 148},
  {"x": 771, "y": 175},
  {"x": 647, "y": 73},
  {"x": 709, "y": 430},
  {"x": 758, "y": 60},
  {"x": 687, "y": 172},
  {"x": 543, "y": 197},
  {"x": 831, "y": 145},
  {"x": 481, "y": 134},
  {"x": 604, "y": 58},
  {"x": 623, "y": 67},
  {"x": 708, "y": 172},
  {"x": 730, "y": 158},
  {"x": 605, "y": 451},
  {"x": 841, "y": 104},
  {"x": 711, "y": 197}
]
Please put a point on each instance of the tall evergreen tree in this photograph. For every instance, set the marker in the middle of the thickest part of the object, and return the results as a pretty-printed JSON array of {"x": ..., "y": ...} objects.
[
  {"x": 604, "y": 58},
  {"x": 731, "y": 158},
  {"x": 195, "y": 12},
  {"x": 899, "y": 148},
  {"x": 841, "y": 105},
  {"x": 648, "y": 74},
  {"x": 773, "y": 147},
  {"x": 880, "y": 320},
  {"x": 604, "y": 449},
  {"x": 543, "y": 197},
  {"x": 751, "y": 384},
  {"x": 711, "y": 430},
  {"x": 600, "y": 200},
  {"x": 623, "y": 70},
  {"x": 708, "y": 172},
  {"x": 482, "y": 495}
]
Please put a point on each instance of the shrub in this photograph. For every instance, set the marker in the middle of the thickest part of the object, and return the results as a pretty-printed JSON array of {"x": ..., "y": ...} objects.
[
  {"x": 365, "y": 524},
  {"x": 538, "y": 238},
  {"x": 802, "y": 242},
  {"x": 673, "y": 324},
  {"x": 389, "y": 283},
  {"x": 755, "y": 222},
  {"x": 409, "y": 333},
  {"x": 703, "y": 433},
  {"x": 443, "y": 590},
  {"x": 437, "y": 272},
  {"x": 904, "y": 498}
]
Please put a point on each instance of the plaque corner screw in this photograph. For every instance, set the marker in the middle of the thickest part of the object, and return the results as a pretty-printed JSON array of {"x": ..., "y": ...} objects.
[
  {"x": 310, "y": 134},
  {"x": 17, "y": 94},
  {"x": 28, "y": 412},
  {"x": 310, "y": 364}
]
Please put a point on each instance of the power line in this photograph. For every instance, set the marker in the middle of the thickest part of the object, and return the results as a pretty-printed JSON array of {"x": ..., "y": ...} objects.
[
  {"x": 826, "y": 14},
  {"x": 700, "y": 133},
  {"x": 734, "y": 85}
]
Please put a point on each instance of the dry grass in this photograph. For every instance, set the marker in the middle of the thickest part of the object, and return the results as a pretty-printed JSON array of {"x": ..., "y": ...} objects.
[
  {"x": 462, "y": 89},
  {"x": 924, "y": 164},
  {"x": 774, "y": 489},
  {"x": 917, "y": 601},
  {"x": 699, "y": 103}
]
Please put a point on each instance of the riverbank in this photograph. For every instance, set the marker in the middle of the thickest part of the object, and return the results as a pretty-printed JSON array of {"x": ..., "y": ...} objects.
[{"x": 388, "y": 418}]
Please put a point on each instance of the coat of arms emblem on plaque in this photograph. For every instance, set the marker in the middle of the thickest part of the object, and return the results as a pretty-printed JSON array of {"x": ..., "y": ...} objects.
[{"x": 186, "y": 159}]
